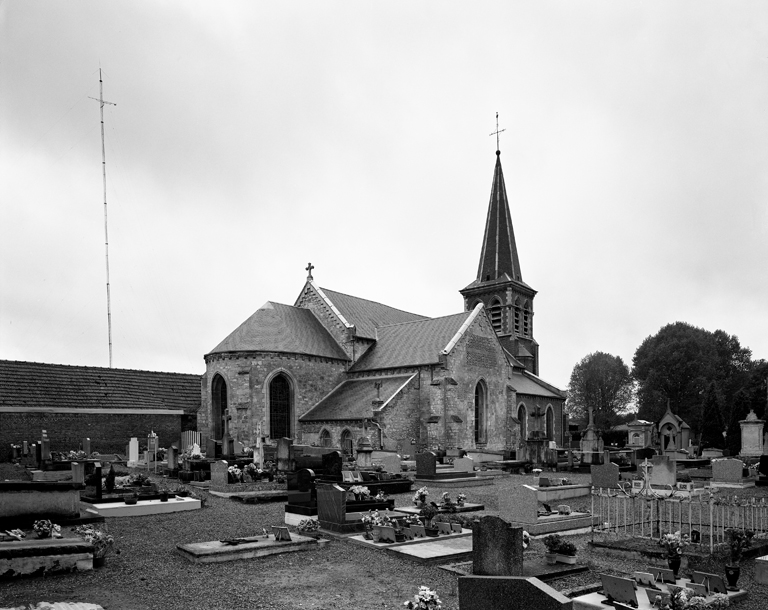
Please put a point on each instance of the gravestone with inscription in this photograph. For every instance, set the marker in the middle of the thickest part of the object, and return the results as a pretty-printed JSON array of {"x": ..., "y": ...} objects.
[
  {"x": 491, "y": 592},
  {"x": 284, "y": 461},
  {"x": 497, "y": 548},
  {"x": 605, "y": 476},
  {"x": 391, "y": 464},
  {"x": 465, "y": 464},
  {"x": 426, "y": 464},
  {"x": 219, "y": 473},
  {"x": 727, "y": 470},
  {"x": 664, "y": 471},
  {"x": 332, "y": 508},
  {"x": 520, "y": 506}
]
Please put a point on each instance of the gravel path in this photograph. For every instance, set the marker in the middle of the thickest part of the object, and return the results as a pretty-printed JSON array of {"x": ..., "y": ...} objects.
[{"x": 149, "y": 574}]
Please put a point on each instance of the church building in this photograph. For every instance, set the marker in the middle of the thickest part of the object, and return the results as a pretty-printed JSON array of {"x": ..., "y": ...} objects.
[{"x": 332, "y": 367}]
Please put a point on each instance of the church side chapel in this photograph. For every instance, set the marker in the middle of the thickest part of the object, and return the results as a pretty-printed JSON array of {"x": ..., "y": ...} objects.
[{"x": 333, "y": 368}]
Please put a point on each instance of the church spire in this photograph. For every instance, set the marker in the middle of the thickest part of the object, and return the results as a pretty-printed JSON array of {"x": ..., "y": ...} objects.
[{"x": 499, "y": 254}]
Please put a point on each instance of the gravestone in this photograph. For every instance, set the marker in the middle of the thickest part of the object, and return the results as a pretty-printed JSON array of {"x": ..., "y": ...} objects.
[
  {"x": 426, "y": 464},
  {"x": 664, "y": 471},
  {"x": 712, "y": 452},
  {"x": 332, "y": 507},
  {"x": 87, "y": 446},
  {"x": 45, "y": 447},
  {"x": 521, "y": 505},
  {"x": 727, "y": 470},
  {"x": 213, "y": 448},
  {"x": 25, "y": 448},
  {"x": 332, "y": 464},
  {"x": 284, "y": 462},
  {"x": 133, "y": 452},
  {"x": 238, "y": 448},
  {"x": 391, "y": 464},
  {"x": 751, "y": 435},
  {"x": 497, "y": 548},
  {"x": 219, "y": 473},
  {"x": 172, "y": 457},
  {"x": 78, "y": 472},
  {"x": 646, "y": 453},
  {"x": 605, "y": 476},
  {"x": 496, "y": 592},
  {"x": 465, "y": 464}
]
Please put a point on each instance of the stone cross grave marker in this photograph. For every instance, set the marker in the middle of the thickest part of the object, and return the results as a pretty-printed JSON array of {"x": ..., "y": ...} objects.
[
  {"x": 465, "y": 464},
  {"x": 521, "y": 505},
  {"x": 488, "y": 592},
  {"x": 497, "y": 548},
  {"x": 664, "y": 471},
  {"x": 391, "y": 464},
  {"x": 727, "y": 470},
  {"x": 605, "y": 476},
  {"x": 426, "y": 464},
  {"x": 219, "y": 473}
]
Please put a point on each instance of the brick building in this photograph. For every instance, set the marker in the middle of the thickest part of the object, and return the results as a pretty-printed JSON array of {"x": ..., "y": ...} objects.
[
  {"x": 109, "y": 406},
  {"x": 334, "y": 367}
]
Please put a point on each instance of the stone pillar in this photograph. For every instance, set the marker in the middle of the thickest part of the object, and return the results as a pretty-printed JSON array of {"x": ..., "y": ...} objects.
[
  {"x": 87, "y": 446},
  {"x": 752, "y": 436},
  {"x": 45, "y": 447},
  {"x": 133, "y": 452},
  {"x": 172, "y": 456}
]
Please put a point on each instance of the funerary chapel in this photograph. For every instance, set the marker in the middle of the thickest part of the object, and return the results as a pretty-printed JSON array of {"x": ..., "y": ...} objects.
[{"x": 332, "y": 367}]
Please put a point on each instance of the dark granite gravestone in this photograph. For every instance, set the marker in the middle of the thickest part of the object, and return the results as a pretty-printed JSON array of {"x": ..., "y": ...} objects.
[
  {"x": 212, "y": 448},
  {"x": 305, "y": 479},
  {"x": 332, "y": 463},
  {"x": 500, "y": 592},
  {"x": 426, "y": 464},
  {"x": 605, "y": 476},
  {"x": 332, "y": 508},
  {"x": 645, "y": 453},
  {"x": 497, "y": 548},
  {"x": 763, "y": 467}
]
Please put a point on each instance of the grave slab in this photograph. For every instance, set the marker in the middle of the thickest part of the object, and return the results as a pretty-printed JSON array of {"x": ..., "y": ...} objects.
[
  {"x": 33, "y": 556},
  {"x": 252, "y": 547},
  {"x": 144, "y": 507},
  {"x": 491, "y": 592},
  {"x": 428, "y": 551}
]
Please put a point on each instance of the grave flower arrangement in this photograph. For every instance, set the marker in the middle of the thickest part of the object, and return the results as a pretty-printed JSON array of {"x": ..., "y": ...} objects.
[
  {"x": 45, "y": 529},
  {"x": 738, "y": 540},
  {"x": 425, "y": 599},
  {"x": 192, "y": 453},
  {"x": 138, "y": 479},
  {"x": 102, "y": 542},
  {"x": 234, "y": 474},
  {"x": 674, "y": 544},
  {"x": 428, "y": 512},
  {"x": 420, "y": 496},
  {"x": 461, "y": 499},
  {"x": 253, "y": 471},
  {"x": 446, "y": 503},
  {"x": 361, "y": 492},
  {"x": 308, "y": 525},
  {"x": 381, "y": 496}
]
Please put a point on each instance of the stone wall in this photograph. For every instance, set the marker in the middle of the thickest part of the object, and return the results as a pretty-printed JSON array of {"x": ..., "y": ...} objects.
[{"x": 247, "y": 377}]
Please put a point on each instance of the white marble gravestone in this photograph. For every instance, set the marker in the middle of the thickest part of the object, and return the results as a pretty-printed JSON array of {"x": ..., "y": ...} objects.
[
  {"x": 752, "y": 435},
  {"x": 133, "y": 452}
]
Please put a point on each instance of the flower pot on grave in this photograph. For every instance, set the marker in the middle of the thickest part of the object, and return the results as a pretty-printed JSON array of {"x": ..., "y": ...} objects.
[
  {"x": 569, "y": 559},
  {"x": 130, "y": 499},
  {"x": 732, "y": 573},
  {"x": 164, "y": 497},
  {"x": 551, "y": 558},
  {"x": 98, "y": 562},
  {"x": 375, "y": 533},
  {"x": 399, "y": 537},
  {"x": 431, "y": 531}
]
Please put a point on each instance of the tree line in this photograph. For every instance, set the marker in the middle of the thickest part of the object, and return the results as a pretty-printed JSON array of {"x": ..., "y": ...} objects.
[{"x": 707, "y": 378}]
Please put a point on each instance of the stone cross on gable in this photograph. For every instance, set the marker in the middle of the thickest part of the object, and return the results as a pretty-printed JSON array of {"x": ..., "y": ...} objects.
[{"x": 308, "y": 269}]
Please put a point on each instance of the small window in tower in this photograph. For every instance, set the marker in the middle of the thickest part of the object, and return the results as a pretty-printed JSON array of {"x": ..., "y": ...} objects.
[
  {"x": 495, "y": 311},
  {"x": 526, "y": 321},
  {"x": 517, "y": 319}
]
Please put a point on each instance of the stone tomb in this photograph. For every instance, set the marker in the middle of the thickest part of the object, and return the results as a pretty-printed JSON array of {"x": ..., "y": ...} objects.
[
  {"x": 251, "y": 547},
  {"x": 729, "y": 473},
  {"x": 521, "y": 508},
  {"x": 496, "y": 593},
  {"x": 426, "y": 470}
]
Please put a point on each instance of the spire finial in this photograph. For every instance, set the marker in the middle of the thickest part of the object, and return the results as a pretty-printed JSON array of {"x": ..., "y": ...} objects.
[
  {"x": 496, "y": 133},
  {"x": 308, "y": 269}
]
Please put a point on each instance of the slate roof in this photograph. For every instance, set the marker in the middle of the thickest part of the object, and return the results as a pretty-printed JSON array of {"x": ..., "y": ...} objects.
[
  {"x": 32, "y": 385},
  {"x": 526, "y": 383},
  {"x": 354, "y": 397},
  {"x": 411, "y": 344},
  {"x": 275, "y": 327},
  {"x": 368, "y": 315}
]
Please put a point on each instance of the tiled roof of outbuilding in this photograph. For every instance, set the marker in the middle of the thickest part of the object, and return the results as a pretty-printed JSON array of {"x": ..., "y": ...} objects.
[
  {"x": 275, "y": 327},
  {"x": 34, "y": 385},
  {"x": 368, "y": 315},
  {"x": 411, "y": 344},
  {"x": 353, "y": 399}
]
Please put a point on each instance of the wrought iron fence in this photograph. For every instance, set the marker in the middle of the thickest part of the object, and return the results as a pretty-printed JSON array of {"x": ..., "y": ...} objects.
[{"x": 704, "y": 517}]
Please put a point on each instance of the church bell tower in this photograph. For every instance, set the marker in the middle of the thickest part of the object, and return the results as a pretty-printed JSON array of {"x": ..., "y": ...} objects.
[{"x": 499, "y": 284}]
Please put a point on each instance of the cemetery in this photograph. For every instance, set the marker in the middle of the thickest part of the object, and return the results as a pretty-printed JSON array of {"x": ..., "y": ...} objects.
[{"x": 575, "y": 539}]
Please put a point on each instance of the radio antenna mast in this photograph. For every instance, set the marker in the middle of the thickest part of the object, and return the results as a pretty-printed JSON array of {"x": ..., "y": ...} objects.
[{"x": 102, "y": 101}]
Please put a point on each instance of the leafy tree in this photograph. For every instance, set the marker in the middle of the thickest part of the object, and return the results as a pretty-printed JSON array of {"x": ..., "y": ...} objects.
[
  {"x": 603, "y": 382},
  {"x": 680, "y": 362},
  {"x": 711, "y": 423}
]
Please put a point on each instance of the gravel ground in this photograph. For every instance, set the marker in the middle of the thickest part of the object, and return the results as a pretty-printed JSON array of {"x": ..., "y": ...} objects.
[{"x": 149, "y": 574}]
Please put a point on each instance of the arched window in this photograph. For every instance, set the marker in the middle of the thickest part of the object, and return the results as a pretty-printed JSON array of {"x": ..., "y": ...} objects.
[
  {"x": 280, "y": 407},
  {"x": 550, "y": 423},
  {"x": 526, "y": 320},
  {"x": 495, "y": 312},
  {"x": 480, "y": 413},
  {"x": 218, "y": 405},
  {"x": 346, "y": 442},
  {"x": 325, "y": 438},
  {"x": 522, "y": 415}
]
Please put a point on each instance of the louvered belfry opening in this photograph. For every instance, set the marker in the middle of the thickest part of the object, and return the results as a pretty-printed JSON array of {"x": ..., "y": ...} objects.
[{"x": 280, "y": 407}]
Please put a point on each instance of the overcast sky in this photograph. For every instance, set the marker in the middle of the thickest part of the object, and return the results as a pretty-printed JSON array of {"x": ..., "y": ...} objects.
[{"x": 250, "y": 138}]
